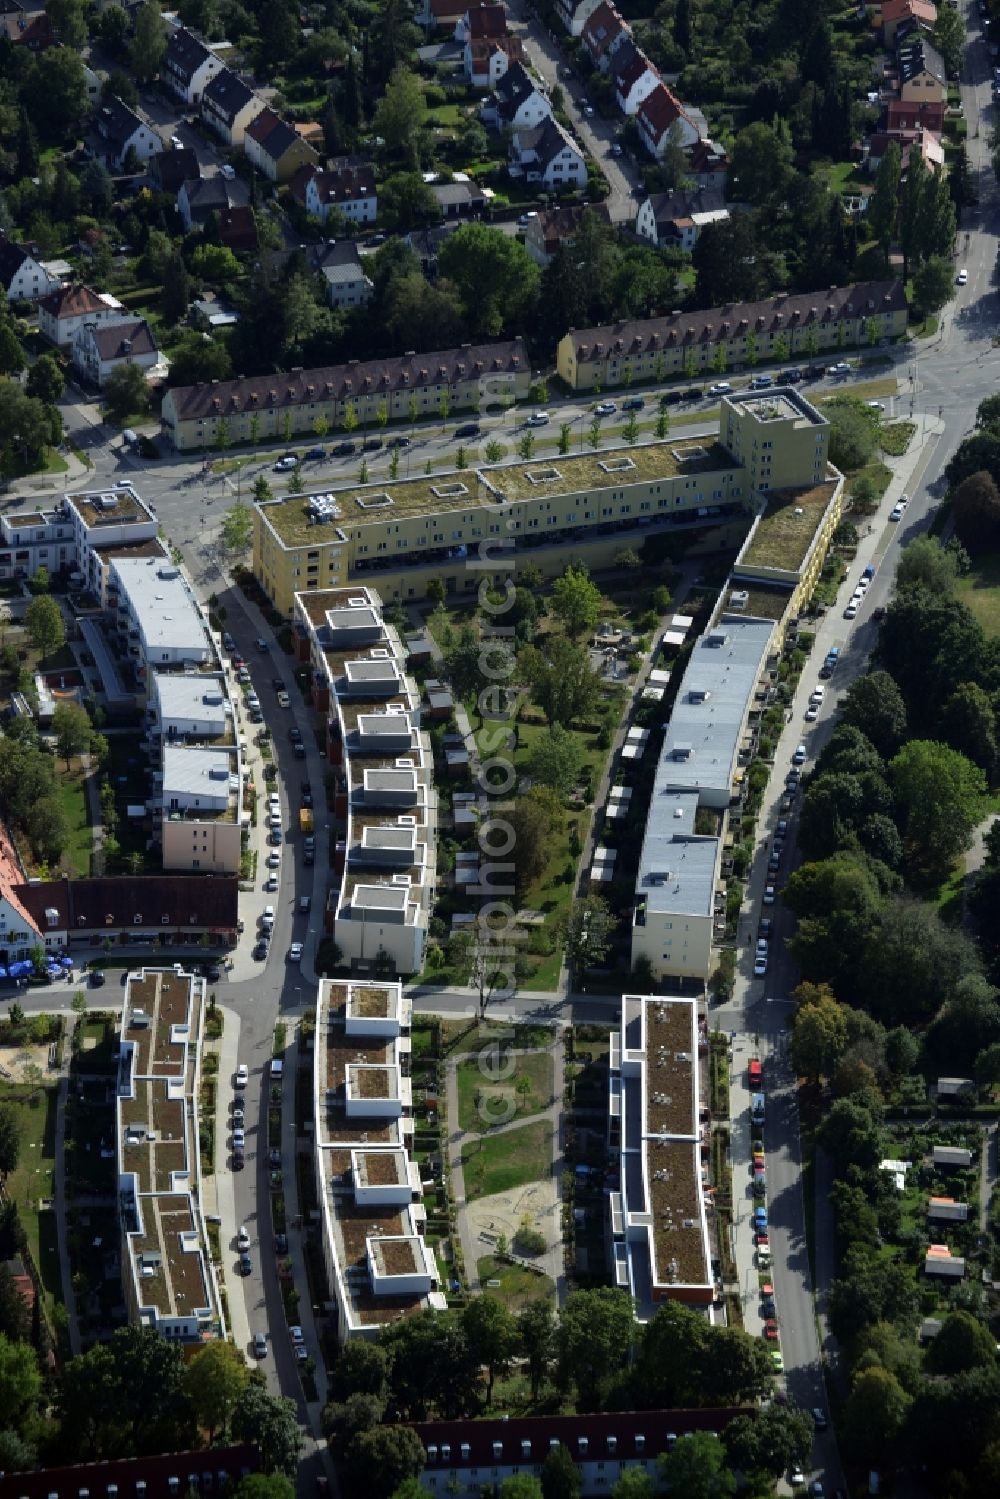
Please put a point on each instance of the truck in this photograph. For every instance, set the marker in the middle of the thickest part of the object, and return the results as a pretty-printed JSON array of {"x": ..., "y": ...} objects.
[{"x": 305, "y": 820}]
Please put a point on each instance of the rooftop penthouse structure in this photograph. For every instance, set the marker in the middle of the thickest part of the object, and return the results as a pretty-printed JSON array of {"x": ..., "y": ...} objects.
[
  {"x": 167, "y": 1274},
  {"x": 659, "y": 1216},
  {"x": 384, "y": 861},
  {"x": 377, "y": 1260}
]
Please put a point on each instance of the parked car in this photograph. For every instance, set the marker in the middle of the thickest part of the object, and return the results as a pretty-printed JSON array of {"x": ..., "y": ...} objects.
[
  {"x": 605, "y": 408},
  {"x": 96, "y": 978},
  {"x": 720, "y": 388},
  {"x": 343, "y": 449},
  {"x": 634, "y": 403},
  {"x": 243, "y": 1238},
  {"x": 538, "y": 419},
  {"x": 259, "y": 1345},
  {"x": 295, "y": 953},
  {"x": 242, "y": 1075},
  {"x": 315, "y": 454},
  {"x": 284, "y": 465},
  {"x": 769, "y": 895},
  {"x": 468, "y": 429}
]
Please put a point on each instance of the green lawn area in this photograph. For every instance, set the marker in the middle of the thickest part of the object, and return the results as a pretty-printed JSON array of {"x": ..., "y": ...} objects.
[
  {"x": 517, "y": 1285},
  {"x": 483, "y": 1102},
  {"x": 895, "y": 437},
  {"x": 73, "y": 796},
  {"x": 497, "y": 1163},
  {"x": 980, "y": 590},
  {"x": 841, "y": 176},
  {"x": 52, "y": 463},
  {"x": 34, "y": 1179}
]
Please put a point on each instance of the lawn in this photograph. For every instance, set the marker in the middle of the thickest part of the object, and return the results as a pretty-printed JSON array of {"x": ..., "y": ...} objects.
[
  {"x": 73, "y": 796},
  {"x": 34, "y": 1179},
  {"x": 500, "y": 1162},
  {"x": 518, "y": 1286},
  {"x": 980, "y": 590},
  {"x": 483, "y": 1101},
  {"x": 895, "y": 437}
]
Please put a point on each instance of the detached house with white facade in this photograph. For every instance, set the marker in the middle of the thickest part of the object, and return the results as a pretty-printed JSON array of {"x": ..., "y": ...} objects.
[
  {"x": 121, "y": 131},
  {"x": 603, "y": 34},
  {"x": 547, "y": 154},
  {"x": 517, "y": 103},
  {"x": 228, "y": 105},
  {"x": 656, "y": 116},
  {"x": 489, "y": 48},
  {"x": 188, "y": 65},
  {"x": 22, "y": 274},
  {"x": 350, "y": 190},
  {"x": 346, "y": 282},
  {"x": 633, "y": 76},
  {"x": 574, "y": 14},
  {"x": 100, "y": 348},
  {"x": 63, "y": 312}
]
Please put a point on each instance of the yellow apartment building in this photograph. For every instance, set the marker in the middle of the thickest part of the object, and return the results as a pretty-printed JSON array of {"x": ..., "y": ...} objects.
[{"x": 789, "y": 325}]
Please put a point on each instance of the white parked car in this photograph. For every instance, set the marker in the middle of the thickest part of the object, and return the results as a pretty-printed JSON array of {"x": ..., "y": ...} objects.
[
  {"x": 284, "y": 701},
  {"x": 267, "y": 918},
  {"x": 274, "y": 861},
  {"x": 605, "y": 408},
  {"x": 284, "y": 465},
  {"x": 239, "y": 1139},
  {"x": 769, "y": 895},
  {"x": 274, "y": 820},
  {"x": 270, "y": 884},
  {"x": 760, "y": 966},
  {"x": 720, "y": 388},
  {"x": 297, "y": 1336},
  {"x": 963, "y": 277},
  {"x": 818, "y": 693},
  {"x": 242, "y": 1075},
  {"x": 295, "y": 953},
  {"x": 538, "y": 419},
  {"x": 851, "y": 611},
  {"x": 243, "y": 1238},
  {"x": 896, "y": 513}
]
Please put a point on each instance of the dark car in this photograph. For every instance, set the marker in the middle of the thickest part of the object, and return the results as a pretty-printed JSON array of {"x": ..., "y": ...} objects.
[
  {"x": 96, "y": 979},
  {"x": 634, "y": 403},
  {"x": 246, "y": 1264},
  {"x": 239, "y": 1160},
  {"x": 468, "y": 429},
  {"x": 274, "y": 1156},
  {"x": 792, "y": 375},
  {"x": 398, "y": 442},
  {"x": 300, "y": 751},
  {"x": 213, "y": 973},
  {"x": 343, "y": 449},
  {"x": 671, "y": 398},
  {"x": 295, "y": 735},
  {"x": 277, "y": 684},
  {"x": 315, "y": 454},
  {"x": 281, "y": 1243},
  {"x": 371, "y": 445},
  {"x": 260, "y": 952},
  {"x": 307, "y": 798}
]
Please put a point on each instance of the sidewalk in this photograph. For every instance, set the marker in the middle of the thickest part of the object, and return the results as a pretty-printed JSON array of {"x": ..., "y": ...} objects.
[
  {"x": 296, "y": 1228},
  {"x": 65, "y": 1266},
  {"x": 219, "y": 1190}
]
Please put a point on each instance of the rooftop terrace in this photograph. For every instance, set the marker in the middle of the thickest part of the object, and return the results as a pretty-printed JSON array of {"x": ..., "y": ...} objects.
[{"x": 785, "y": 532}]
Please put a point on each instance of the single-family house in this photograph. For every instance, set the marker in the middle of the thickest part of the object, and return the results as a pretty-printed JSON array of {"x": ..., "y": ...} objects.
[
  {"x": 633, "y": 76},
  {"x": 197, "y": 199},
  {"x": 677, "y": 218},
  {"x": 548, "y": 155},
  {"x": 238, "y": 228},
  {"x": 925, "y": 141},
  {"x": 947, "y": 1210},
  {"x": 31, "y": 29},
  {"x": 927, "y": 115},
  {"x": 603, "y": 33},
  {"x": 550, "y": 228},
  {"x": 228, "y": 105},
  {"x": 896, "y": 13},
  {"x": 23, "y": 275},
  {"x": 951, "y": 1156},
  {"x": 459, "y": 199},
  {"x": 188, "y": 65},
  {"x": 956, "y": 1089},
  {"x": 707, "y": 164},
  {"x": 656, "y": 117},
  {"x": 488, "y": 47},
  {"x": 517, "y": 103},
  {"x": 121, "y": 131},
  {"x": 64, "y": 311},
  {"x": 275, "y": 147},
  {"x": 574, "y": 14},
  {"x": 441, "y": 13},
  {"x": 169, "y": 170},
  {"x": 922, "y": 73},
  {"x": 346, "y": 282},
  {"x": 100, "y": 348},
  {"x": 350, "y": 190}
]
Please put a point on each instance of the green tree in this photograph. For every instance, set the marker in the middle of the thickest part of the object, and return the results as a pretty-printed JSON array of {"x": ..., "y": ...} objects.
[
  {"x": 521, "y": 1486},
  {"x": 940, "y": 794},
  {"x": 771, "y": 1441},
  {"x": 590, "y": 927},
  {"x": 560, "y": 1475},
  {"x": 405, "y": 202},
  {"x": 697, "y": 1468},
  {"x": 379, "y": 1461},
  {"x": 401, "y": 115},
  {"x": 975, "y": 509},
  {"x": 361, "y": 1368},
  {"x": 71, "y": 726},
  {"x": 10, "y": 1138},
  {"x": 236, "y": 532},
  {"x": 149, "y": 41},
  {"x": 819, "y": 1039},
  {"x": 126, "y": 393},
  {"x": 45, "y": 379},
  {"x": 561, "y": 679},
  {"x": 576, "y": 601},
  {"x": 196, "y": 360},
  {"x": 874, "y": 704},
  {"x": 883, "y": 202},
  {"x": 176, "y": 294},
  {"x": 933, "y": 285},
  {"x": 948, "y": 36},
  {"x": 594, "y": 1340},
  {"x": 526, "y": 446},
  {"x": 212, "y": 1384},
  {"x": 875, "y": 1412},
  {"x": 533, "y": 819},
  {"x": 20, "y": 1381},
  {"x": 537, "y": 1333},
  {"x": 271, "y": 1423},
  {"x": 12, "y": 356},
  {"x": 215, "y": 263},
  {"x": 555, "y": 759},
  {"x": 496, "y": 277},
  {"x": 760, "y": 165},
  {"x": 264, "y": 1486},
  {"x": 963, "y": 1343},
  {"x": 853, "y": 432},
  {"x": 633, "y": 1484},
  {"x": 492, "y": 1336},
  {"x": 44, "y": 623}
]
